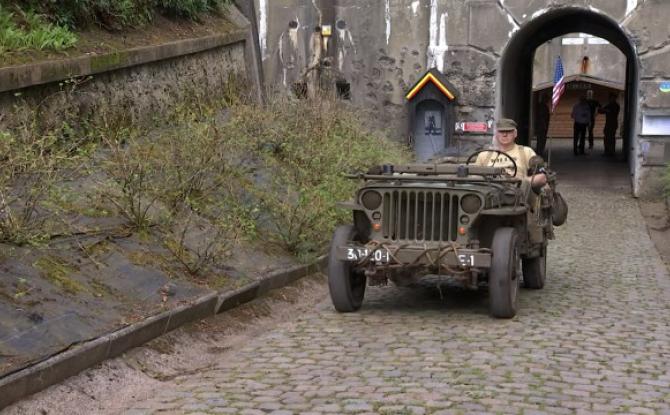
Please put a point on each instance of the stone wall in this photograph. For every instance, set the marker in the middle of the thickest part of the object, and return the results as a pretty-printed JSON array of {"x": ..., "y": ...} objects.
[
  {"x": 606, "y": 61},
  {"x": 143, "y": 82},
  {"x": 286, "y": 29},
  {"x": 648, "y": 27},
  {"x": 143, "y": 91},
  {"x": 382, "y": 47}
]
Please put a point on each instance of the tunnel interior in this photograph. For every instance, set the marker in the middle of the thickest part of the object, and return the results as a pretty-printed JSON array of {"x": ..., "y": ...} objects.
[{"x": 516, "y": 68}]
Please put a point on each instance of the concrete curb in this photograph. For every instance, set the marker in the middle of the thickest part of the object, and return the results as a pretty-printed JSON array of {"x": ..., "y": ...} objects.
[{"x": 78, "y": 357}]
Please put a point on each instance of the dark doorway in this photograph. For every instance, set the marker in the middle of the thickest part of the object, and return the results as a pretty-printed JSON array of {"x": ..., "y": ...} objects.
[
  {"x": 516, "y": 66},
  {"x": 429, "y": 130}
]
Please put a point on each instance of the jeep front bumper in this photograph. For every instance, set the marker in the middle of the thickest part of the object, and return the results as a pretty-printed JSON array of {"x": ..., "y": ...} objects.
[{"x": 389, "y": 255}]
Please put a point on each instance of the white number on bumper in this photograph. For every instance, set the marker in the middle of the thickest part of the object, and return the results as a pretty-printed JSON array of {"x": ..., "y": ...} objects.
[
  {"x": 379, "y": 255},
  {"x": 467, "y": 260}
]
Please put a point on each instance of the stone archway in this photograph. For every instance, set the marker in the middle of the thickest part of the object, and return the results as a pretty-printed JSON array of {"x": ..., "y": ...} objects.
[{"x": 516, "y": 65}]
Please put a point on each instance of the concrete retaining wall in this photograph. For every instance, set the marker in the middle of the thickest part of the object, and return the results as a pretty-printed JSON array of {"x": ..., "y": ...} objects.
[{"x": 142, "y": 81}]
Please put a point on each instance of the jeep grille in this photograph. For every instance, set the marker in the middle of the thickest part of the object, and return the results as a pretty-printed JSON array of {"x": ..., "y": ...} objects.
[{"x": 419, "y": 215}]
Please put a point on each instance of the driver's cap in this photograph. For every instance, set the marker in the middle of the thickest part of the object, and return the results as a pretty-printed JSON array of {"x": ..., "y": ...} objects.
[{"x": 505, "y": 124}]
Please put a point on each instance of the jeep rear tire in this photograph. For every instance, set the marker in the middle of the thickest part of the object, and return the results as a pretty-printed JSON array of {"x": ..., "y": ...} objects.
[
  {"x": 535, "y": 270},
  {"x": 347, "y": 287},
  {"x": 503, "y": 280}
]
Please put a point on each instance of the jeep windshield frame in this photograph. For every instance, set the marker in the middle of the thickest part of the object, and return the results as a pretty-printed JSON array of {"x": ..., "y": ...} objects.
[{"x": 442, "y": 172}]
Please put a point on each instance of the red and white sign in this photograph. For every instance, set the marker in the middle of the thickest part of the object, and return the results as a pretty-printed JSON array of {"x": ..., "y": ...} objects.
[{"x": 472, "y": 127}]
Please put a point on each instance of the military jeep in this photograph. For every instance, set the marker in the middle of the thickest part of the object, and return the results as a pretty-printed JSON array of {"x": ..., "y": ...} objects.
[{"x": 451, "y": 221}]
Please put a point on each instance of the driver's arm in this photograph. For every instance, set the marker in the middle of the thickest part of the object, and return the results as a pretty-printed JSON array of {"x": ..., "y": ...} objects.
[
  {"x": 537, "y": 181},
  {"x": 535, "y": 170},
  {"x": 481, "y": 159}
]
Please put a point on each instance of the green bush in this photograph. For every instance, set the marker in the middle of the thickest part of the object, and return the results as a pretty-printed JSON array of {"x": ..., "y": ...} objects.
[
  {"x": 275, "y": 171},
  {"x": 27, "y": 30},
  {"x": 40, "y": 150},
  {"x": 305, "y": 149},
  {"x": 213, "y": 174},
  {"x": 189, "y": 8},
  {"x": 115, "y": 14},
  {"x": 131, "y": 188},
  {"x": 110, "y": 14},
  {"x": 27, "y": 174}
]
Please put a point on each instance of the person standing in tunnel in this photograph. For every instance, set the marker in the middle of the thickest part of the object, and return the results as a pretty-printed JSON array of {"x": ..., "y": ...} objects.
[
  {"x": 611, "y": 111},
  {"x": 581, "y": 114},
  {"x": 594, "y": 105},
  {"x": 541, "y": 124}
]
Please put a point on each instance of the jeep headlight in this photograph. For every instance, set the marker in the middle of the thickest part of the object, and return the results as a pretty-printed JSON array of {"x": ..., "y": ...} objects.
[
  {"x": 471, "y": 204},
  {"x": 371, "y": 199},
  {"x": 508, "y": 197}
]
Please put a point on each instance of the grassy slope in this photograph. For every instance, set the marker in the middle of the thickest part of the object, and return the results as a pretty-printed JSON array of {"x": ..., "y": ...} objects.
[{"x": 95, "y": 219}]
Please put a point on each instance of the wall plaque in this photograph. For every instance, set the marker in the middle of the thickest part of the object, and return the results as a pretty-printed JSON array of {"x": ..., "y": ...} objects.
[
  {"x": 656, "y": 125},
  {"x": 472, "y": 127}
]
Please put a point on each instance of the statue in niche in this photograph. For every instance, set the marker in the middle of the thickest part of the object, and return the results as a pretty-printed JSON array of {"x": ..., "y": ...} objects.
[{"x": 433, "y": 124}]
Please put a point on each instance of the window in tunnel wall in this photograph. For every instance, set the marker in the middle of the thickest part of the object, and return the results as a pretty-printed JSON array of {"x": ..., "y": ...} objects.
[
  {"x": 343, "y": 90},
  {"x": 300, "y": 90},
  {"x": 586, "y": 65}
]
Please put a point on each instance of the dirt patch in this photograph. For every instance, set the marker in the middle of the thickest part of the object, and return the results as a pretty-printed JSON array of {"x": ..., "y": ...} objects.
[
  {"x": 657, "y": 216},
  {"x": 96, "y": 40},
  {"x": 134, "y": 376}
]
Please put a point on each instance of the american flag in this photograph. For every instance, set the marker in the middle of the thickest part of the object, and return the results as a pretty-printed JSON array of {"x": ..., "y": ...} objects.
[{"x": 559, "y": 84}]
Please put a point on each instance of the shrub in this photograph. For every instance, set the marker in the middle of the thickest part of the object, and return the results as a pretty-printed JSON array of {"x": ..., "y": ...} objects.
[
  {"x": 110, "y": 14},
  {"x": 132, "y": 186},
  {"x": 190, "y": 9},
  {"x": 117, "y": 14},
  {"x": 27, "y": 174},
  {"x": 40, "y": 150},
  {"x": 216, "y": 173},
  {"x": 198, "y": 257},
  {"x": 277, "y": 170},
  {"x": 32, "y": 32},
  {"x": 306, "y": 147},
  {"x": 199, "y": 180}
]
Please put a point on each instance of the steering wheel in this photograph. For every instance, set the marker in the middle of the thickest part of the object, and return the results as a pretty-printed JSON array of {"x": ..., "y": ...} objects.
[{"x": 498, "y": 152}]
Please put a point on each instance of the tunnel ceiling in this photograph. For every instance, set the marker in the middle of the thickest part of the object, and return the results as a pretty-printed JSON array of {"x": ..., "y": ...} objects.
[{"x": 519, "y": 52}]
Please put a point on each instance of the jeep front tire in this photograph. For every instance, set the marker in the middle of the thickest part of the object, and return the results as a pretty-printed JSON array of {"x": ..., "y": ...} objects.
[
  {"x": 535, "y": 270},
  {"x": 503, "y": 280},
  {"x": 346, "y": 286}
]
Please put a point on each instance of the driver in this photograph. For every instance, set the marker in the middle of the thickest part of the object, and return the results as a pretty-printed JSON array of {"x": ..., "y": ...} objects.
[{"x": 504, "y": 141}]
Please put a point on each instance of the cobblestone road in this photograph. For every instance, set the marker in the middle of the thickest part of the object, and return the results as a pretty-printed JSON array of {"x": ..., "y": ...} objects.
[{"x": 595, "y": 340}]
